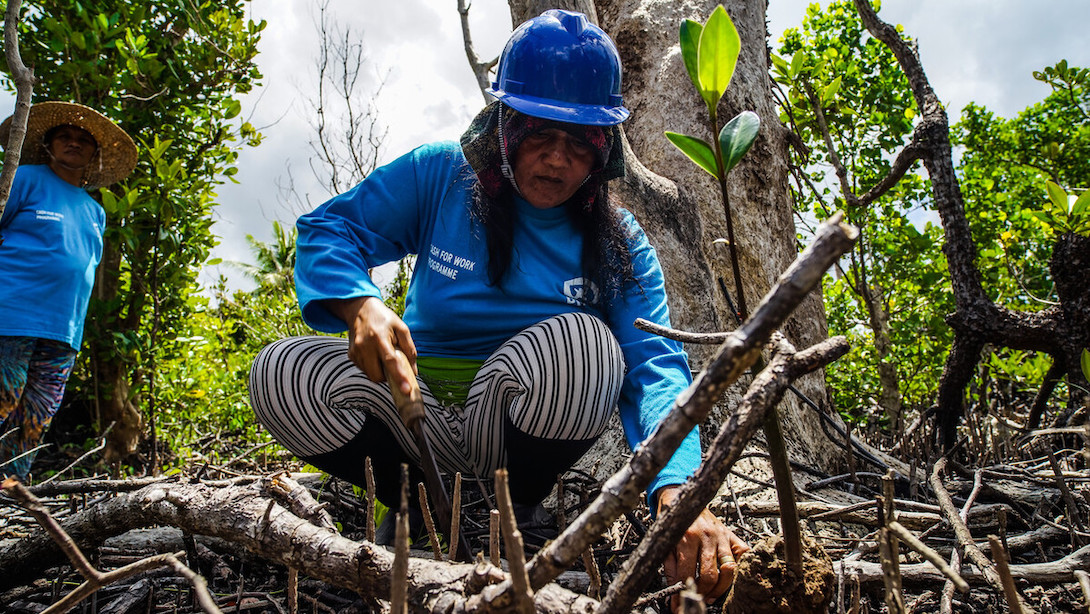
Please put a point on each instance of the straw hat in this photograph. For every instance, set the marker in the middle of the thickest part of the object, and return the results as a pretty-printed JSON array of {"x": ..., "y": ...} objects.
[{"x": 116, "y": 151}]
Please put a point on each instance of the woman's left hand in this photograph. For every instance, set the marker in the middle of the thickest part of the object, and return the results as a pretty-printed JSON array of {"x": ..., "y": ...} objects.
[{"x": 707, "y": 552}]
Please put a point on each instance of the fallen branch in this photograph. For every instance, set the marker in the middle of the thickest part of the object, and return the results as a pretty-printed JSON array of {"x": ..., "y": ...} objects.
[
  {"x": 764, "y": 393},
  {"x": 862, "y": 513},
  {"x": 926, "y": 552},
  {"x": 621, "y": 492},
  {"x": 94, "y": 578},
  {"x": 249, "y": 517},
  {"x": 1053, "y": 572},
  {"x": 961, "y": 530}
]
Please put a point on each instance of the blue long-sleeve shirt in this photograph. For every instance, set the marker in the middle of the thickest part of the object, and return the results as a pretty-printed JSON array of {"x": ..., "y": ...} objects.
[
  {"x": 420, "y": 204},
  {"x": 52, "y": 244}
]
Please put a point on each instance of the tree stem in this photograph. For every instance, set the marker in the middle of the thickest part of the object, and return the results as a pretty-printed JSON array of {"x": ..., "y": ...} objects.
[{"x": 777, "y": 448}]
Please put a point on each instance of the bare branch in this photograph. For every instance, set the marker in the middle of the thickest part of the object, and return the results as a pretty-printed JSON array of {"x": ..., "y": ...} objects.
[
  {"x": 764, "y": 393},
  {"x": 621, "y": 492},
  {"x": 480, "y": 69},
  {"x": 24, "y": 91}
]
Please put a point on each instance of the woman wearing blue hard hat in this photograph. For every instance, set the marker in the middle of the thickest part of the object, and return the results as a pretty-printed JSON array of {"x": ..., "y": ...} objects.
[{"x": 518, "y": 317}]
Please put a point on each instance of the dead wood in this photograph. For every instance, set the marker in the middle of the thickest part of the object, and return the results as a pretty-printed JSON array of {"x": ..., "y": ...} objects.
[
  {"x": 764, "y": 393},
  {"x": 94, "y": 578},
  {"x": 254, "y": 517},
  {"x": 999, "y": 554},
  {"x": 622, "y": 491},
  {"x": 961, "y": 530},
  {"x": 861, "y": 513},
  {"x": 1062, "y": 570},
  {"x": 513, "y": 546},
  {"x": 928, "y": 553}
]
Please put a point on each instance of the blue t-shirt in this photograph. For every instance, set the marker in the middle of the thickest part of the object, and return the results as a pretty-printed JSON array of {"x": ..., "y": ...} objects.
[
  {"x": 420, "y": 204},
  {"x": 52, "y": 233}
]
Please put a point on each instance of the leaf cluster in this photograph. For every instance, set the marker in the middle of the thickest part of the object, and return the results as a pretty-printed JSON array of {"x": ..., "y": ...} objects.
[
  {"x": 710, "y": 52},
  {"x": 846, "y": 97}
]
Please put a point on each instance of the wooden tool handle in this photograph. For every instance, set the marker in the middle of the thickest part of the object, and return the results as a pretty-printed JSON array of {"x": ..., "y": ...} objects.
[{"x": 411, "y": 406}]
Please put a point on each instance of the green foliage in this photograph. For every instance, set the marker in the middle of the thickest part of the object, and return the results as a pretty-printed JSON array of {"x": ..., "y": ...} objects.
[
  {"x": 697, "y": 149},
  {"x": 397, "y": 290},
  {"x": 275, "y": 268},
  {"x": 168, "y": 73},
  {"x": 839, "y": 76},
  {"x": 717, "y": 56},
  {"x": 737, "y": 137},
  {"x": 710, "y": 52},
  {"x": 1012, "y": 174},
  {"x": 1062, "y": 214},
  {"x": 204, "y": 367},
  {"x": 835, "y": 75}
]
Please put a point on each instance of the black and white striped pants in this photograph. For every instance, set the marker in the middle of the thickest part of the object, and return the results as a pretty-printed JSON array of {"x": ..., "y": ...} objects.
[{"x": 536, "y": 405}]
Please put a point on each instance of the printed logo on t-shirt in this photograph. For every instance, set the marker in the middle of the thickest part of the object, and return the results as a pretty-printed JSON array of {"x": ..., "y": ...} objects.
[
  {"x": 581, "y": 291},
  {"x": 448, "y": 264},
  {"x": 49, "y": 216}
]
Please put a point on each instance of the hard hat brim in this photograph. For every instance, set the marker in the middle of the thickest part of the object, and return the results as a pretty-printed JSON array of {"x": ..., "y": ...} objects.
[{"x": 572, "y": 113}]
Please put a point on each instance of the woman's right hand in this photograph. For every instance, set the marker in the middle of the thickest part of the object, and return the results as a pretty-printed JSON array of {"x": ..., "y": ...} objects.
[{"x": 375, "y": 334}]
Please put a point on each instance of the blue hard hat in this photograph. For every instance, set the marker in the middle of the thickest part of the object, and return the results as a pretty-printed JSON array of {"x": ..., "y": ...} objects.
[{"x": 559, "y": 66}]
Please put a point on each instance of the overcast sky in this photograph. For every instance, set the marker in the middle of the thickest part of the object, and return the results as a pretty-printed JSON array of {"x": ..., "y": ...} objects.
[{"x": 973, "y": 50}]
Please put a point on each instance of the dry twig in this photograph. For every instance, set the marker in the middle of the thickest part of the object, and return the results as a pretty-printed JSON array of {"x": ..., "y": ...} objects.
[
  {"x": 94, "y": 578},
  {"x": 512, "y": 545},
  {"x": 1014, "y": 602}
]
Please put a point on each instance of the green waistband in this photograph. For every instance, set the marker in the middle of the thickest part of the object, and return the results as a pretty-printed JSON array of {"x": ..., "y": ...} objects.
[{"x": 448, "y": 378}]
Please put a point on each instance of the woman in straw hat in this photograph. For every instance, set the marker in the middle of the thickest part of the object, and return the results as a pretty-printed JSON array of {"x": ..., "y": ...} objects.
[{"x": 50, "y": 246}]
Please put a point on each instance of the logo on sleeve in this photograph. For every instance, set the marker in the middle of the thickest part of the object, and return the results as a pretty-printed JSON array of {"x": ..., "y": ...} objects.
[{"x": 581, "y": 291}]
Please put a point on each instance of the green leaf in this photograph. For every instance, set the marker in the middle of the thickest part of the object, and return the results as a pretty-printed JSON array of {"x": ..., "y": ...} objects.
[
  {"x": 1082, "y": 205},
  {"x": 698, "y": 150},
  {"x": 737, "y": 137},
  {"x": 1058, "y": 196},
  {"x": 719, "y": 47},
  {"x": 109, "y": 202},
  {"x": 690, "y": 49},
  {"x": 830, "y": 91},
  {"x": 779, "y": 63},
  {"x": 796, "y": 63},
  {"x": 234, "y": 107},
  {"x": 1086, "y": 364}
]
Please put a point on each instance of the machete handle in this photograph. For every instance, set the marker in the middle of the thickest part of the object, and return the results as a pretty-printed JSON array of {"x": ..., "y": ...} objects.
[{"x": 410, "y": 407}]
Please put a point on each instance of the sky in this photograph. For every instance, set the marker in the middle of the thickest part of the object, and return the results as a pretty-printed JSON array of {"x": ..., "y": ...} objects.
[{"x": 982, "y": 51}]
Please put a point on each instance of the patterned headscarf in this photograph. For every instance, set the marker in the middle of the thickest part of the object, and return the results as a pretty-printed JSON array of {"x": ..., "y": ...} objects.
[{"x": 481, "y": 144}]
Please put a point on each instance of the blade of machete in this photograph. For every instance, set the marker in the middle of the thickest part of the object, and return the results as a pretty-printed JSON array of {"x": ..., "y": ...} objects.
[{"x": 411, "y": 410}]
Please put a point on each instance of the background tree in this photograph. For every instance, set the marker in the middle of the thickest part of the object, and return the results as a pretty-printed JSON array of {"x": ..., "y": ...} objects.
[
  {"x": 1003, "y": 172},
  {"x": 851, "y": 101},
  {"x": 851, "y": 106},
  {"x": 168, "y": 73}
]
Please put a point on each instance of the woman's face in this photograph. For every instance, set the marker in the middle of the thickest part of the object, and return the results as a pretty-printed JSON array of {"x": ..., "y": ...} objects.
[
  {"x": 550, "y": 165},
  {"x": 72, "y": 147}
]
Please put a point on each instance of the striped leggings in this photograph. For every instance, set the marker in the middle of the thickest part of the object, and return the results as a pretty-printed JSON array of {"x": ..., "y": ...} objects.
[{"x": 536, "y": 405}]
